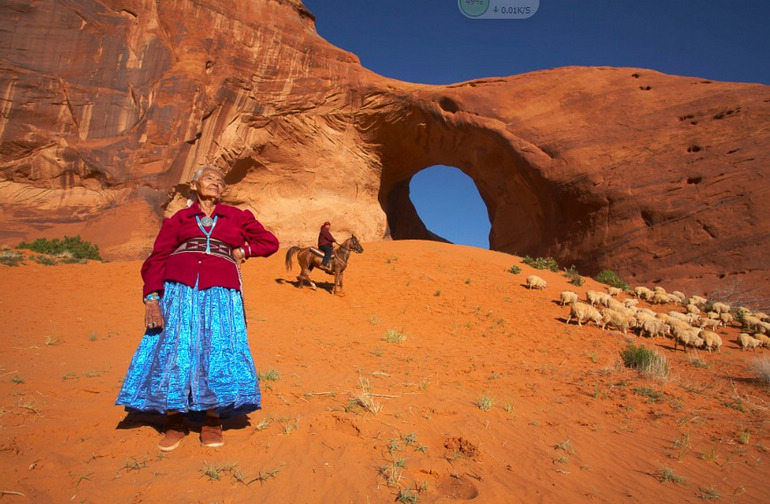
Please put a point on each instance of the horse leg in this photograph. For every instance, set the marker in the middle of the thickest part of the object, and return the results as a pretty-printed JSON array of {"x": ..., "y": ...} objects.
[
  {"x": 304, "y": 278},
  {"x": 304, "y": 275}
]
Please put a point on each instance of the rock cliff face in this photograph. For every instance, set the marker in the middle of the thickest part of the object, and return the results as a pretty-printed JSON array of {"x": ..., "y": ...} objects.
[{"x": 109, "y": 106}]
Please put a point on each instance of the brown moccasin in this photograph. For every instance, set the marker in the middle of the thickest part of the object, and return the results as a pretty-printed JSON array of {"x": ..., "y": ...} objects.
[
  {"x": 211, "y": 435},
  {"x": 174, "y": 435}
]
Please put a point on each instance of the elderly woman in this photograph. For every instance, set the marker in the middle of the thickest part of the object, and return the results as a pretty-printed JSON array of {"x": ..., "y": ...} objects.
[{"x": 194, "y": 356}]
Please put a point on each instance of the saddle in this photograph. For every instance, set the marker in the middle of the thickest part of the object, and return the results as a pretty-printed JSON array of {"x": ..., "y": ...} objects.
[{"x": 319, "y": 253}]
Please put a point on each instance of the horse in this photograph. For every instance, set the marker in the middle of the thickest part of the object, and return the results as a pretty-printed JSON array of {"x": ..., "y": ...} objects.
[{"x": 309, "y": 258}]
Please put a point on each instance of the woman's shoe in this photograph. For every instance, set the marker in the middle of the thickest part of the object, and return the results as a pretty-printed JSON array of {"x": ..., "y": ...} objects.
[
  {"x": 175, "y": 432},
  {"x": 211, "y": 432}
]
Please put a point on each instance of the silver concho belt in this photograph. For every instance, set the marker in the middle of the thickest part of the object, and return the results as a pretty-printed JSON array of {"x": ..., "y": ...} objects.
[{"x": 216, "y": 247}]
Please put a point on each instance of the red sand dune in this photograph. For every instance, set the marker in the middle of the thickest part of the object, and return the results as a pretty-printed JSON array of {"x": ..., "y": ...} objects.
[{"x": 568, "y": 422}]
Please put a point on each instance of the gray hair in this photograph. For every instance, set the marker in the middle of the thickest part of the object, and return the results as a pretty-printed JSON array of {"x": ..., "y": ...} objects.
[{"x": 198, "y": 174}]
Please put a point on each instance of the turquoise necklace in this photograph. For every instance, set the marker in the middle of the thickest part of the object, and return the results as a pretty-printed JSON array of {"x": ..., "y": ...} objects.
[{"x": 208, "y": 222}]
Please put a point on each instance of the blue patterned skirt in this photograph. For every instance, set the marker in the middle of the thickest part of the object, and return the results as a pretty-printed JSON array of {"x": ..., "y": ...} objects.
[{"x": 199, "y": 361}]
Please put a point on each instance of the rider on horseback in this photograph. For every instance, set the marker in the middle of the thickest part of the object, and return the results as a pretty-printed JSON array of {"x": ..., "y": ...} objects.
[{"x": 325, "y": 241}]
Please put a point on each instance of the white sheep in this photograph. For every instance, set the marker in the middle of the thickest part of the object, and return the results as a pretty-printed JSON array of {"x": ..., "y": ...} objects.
[
  {"x": 720, "y": 307},
  {"x": 568, "y": 297},
  {"x": 583, "y": 312},
  {"x": 686, "y": 336},
  {"x": 708, "y": 322},
  {"x": 595, "y": 297},
  {"x": 711, "y": 340},
  {"x": 614, "y": 291},
  {"x": 640, "y": 316},
  {"x": 679, "y": 296},
  {"x": 680, "y": 316},
  {"x": 620, "y": 320},
  {"x": 764, "y": 340},
  {"x": 659, "y": 297},
  {"x": 535, "y": 282},
  {"x": 668, "y": 320},
  {"x": 698, "y": 301},
  {"x": 691, "y": 308},
  {"x": 747, "y": 341},
  {"x": 648, "y": 312},
  {"x": 643, "y": 293},
  {"x": 726, "y": 318},
  {"x": 654, "y": 327},
  {"x": 630, "y": 302},
  {"x": 751, "y": 323},
  {"x": 616, "y": 305},
  {"x": 678, "y": 325}
]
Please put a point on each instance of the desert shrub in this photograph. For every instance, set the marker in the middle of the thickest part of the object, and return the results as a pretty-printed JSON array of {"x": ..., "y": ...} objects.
[
  {"x": 485, "y": 402},
  {"x": 11, "y": 258},
  {"x": 542, "y": 263},
  {"x": 645, "y": 360},
  {"x": 393, "y": 336},
  {"x": 45, "y": 260},
  {"x": 573, "y": 275},
  {"x": 762, "y": 369},
  {"x": 71, "y": 247},
  {"x": 72, "y": 260},
  {"x": 514, "y": 269},
  {"x": 611, "y": 278},
  {"x": 271, "y": 375}
]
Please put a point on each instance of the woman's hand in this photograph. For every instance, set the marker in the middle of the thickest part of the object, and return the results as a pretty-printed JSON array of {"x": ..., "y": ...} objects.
[
  {"x": 153, "y": 318},
  {"x": 238, "y": 255}
]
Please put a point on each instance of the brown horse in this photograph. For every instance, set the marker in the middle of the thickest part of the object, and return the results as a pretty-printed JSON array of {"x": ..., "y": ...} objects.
[{"x": 309, "y": 258}]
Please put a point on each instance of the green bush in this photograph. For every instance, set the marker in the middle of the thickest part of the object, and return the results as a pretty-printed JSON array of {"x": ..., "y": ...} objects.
[
  {"x": 645, "y": 360},
  {"x": 71, "y": 247},
  {"x": 542, "y": 263},
  {"x": 514, "y": 269},
  {"x": 611, "y": 278},
  {"x": 10, "y": 258}
]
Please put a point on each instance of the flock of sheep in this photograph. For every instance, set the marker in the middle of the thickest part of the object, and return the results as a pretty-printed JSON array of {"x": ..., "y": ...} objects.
[{"x": 694, "y": 328}]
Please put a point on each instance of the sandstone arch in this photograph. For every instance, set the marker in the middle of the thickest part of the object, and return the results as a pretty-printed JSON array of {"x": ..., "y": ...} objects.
[{"x": 527, "y": 211}]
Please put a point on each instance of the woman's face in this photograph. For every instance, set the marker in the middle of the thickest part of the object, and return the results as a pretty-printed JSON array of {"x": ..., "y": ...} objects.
[{"x": 210, "y": 185}]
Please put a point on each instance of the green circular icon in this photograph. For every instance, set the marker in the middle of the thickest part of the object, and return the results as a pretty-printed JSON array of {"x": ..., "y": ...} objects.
[{"x": 473, "y": 8}]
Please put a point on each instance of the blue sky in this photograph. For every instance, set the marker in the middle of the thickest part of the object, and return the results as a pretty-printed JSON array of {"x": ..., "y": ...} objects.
[{"x": 432, "y": 42}]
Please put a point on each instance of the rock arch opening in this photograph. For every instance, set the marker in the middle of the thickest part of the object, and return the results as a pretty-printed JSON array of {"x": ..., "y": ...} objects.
[
  {"x": 448, "y": 202},
  {"x": 524, "y": 208}
]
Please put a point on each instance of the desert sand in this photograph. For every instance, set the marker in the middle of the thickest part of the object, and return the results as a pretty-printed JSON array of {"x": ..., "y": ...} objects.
[{"x": 491, "y": 397}]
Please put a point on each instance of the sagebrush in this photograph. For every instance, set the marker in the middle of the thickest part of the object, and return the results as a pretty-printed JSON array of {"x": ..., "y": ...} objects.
[
  {"x": 71, "y": 246},
  {"x": 542, "y": 263},
  {"x": 645, "y": 360},
  {"x": 612, "y": 279}
]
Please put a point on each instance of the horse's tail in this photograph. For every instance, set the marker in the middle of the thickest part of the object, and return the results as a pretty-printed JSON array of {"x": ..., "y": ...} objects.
[{"x": 289, "y": 254}]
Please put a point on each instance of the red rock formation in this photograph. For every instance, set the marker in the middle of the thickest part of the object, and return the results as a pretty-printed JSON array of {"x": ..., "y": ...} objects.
[{"x": 109, "y": 106}]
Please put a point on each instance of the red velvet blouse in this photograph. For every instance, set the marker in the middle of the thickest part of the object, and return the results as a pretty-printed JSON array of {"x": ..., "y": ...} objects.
[{"x": 235, "y": 227}]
